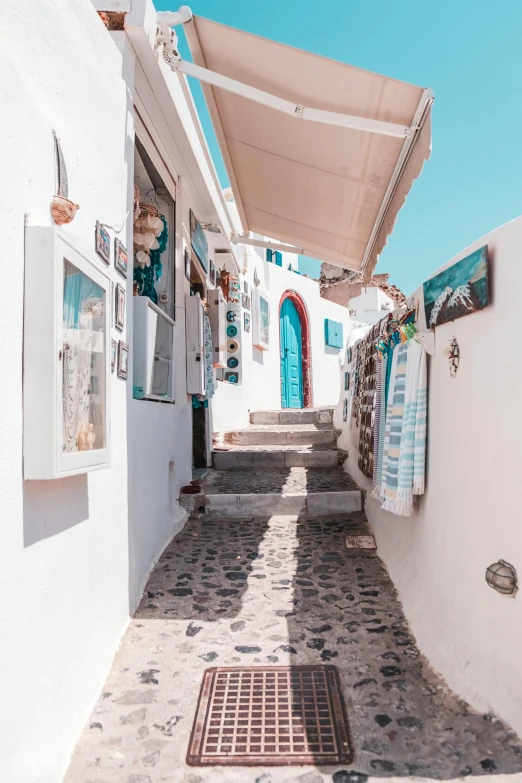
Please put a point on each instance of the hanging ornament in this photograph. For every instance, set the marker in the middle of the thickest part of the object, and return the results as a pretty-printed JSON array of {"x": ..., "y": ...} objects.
[
  {"x": 148, "y": 240},
  {"x": 149, "y": 267},
  {"x": 453, "y": 354},
  {"x": 142, "y": 258}
]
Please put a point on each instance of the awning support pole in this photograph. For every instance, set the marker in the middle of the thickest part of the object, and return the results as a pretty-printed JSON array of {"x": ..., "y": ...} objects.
[
  {"x": 171, "y": 56},
  {"x": 420, "y": 115},
  {"x": 287, "y": 107}
]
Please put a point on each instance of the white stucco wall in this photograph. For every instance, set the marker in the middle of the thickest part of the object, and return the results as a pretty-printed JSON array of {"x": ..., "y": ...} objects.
[
  {"x": 261, "y": 384},
  {"x": 75, "y": 553},
  {"x": 371, "y": 305},
  {"x": 469, "y": 516},
  {"x": 63, "y": 544}
]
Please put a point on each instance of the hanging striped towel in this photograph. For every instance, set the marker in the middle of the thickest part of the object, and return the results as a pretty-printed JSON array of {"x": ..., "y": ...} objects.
[
  {"x": 380, "y": 425},
  {"x": 413, "y": 435},
  {"x": 393, "y": 433},
  {"x": 419, "y": 455}
]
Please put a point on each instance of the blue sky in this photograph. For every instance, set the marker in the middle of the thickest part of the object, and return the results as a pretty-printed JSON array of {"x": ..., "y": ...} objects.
[{"x": 469, "y": 53}]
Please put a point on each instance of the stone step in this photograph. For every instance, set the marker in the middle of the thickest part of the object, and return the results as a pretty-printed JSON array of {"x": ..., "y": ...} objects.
[
  {"x": 274, "y": 457},
  {"x": 298, "y": 416},
  {"x": 314, "y": 504},
  {"x": 282, "y": 435}
]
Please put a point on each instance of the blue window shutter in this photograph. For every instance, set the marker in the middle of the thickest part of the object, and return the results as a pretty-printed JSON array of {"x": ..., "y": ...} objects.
[
  {"x": 333, "y": 333},
  {"x": 269, "y": 254},
  {"x": 278, "y": 258}
]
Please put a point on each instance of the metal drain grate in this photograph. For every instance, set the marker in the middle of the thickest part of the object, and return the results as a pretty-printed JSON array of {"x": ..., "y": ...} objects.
[{"x": 270, "y": 716}]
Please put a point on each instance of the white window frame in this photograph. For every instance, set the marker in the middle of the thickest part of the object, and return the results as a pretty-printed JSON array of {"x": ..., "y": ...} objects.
[{"x": 142, "y": 346}]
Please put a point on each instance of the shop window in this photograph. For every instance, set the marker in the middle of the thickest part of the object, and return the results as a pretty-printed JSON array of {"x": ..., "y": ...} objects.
[
  {"x": 153, "y": 343},
  {"x": 66, "y": 357}
]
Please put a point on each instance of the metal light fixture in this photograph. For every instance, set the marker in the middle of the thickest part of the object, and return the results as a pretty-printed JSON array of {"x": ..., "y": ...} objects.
[
  {"x": 211, "y": 227},
  {"x": 502, "y": 577}
]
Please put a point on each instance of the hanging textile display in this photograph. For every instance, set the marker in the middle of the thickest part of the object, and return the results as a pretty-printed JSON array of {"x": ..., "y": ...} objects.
[
  {"x": 365, "y": 398},
  {"x": 404, "y": 451},
  {"x": 379, "y": 417},
  {"x": 393, "y": 428},
  {"x": 367, "y": 395},
  {"x": 388, "y": 385}
]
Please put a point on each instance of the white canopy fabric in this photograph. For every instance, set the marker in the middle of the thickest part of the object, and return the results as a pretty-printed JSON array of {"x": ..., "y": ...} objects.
[{"x": 333, "y": 191}]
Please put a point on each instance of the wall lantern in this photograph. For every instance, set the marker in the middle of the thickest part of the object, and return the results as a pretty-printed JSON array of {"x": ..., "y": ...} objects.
[{"x": 502, "y": 577}]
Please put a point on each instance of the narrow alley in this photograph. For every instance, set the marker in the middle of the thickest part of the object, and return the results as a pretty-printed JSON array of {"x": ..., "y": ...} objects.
[
  {"x": 237, "y": 589},
  {"x": 259, "y": 447}
]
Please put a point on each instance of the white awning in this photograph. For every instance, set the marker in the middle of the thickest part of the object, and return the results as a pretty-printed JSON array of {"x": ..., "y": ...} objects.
[{"x": 324, "y": 157}]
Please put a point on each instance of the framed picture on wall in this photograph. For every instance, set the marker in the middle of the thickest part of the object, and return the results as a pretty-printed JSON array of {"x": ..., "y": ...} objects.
[
  {"x": 260, "y": 319},
  {"x": 246, "y": 321},
  {"x": 121, "y": 260},
  {"x": 103, "y": 242},
  {"x": 212, "y": 274},
  {"x": 123, "y": 360},
  {"x": 187, "y": 263},
  {"x": 114, "y": 352},
  {"x": 113, "y": 303},
  {"x": 119, "y": 315}
]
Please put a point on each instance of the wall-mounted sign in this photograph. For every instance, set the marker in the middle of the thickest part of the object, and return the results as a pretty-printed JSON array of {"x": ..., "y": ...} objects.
[{"x": 198, "y": 241}]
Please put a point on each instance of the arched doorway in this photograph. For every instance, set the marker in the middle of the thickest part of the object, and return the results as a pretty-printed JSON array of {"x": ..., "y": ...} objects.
[{"x": 294, "y": 335}]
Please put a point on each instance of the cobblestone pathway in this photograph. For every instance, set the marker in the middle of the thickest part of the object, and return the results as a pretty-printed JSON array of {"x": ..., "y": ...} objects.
[
  {"x": 280, "y": 591},
  {"x": 266, "y": 481}
]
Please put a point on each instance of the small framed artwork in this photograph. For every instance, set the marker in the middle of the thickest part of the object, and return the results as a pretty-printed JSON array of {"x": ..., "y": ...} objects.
[
  {"x": 346, "y": 381},
  {"x": 112, "y": 304},
  {"x": 245, "y": 302},
  {"x": 123, "y": 360},
  {"x": 245, "y": 286},
  {"x": 103, "y": 242},
  {"x": 119, "y": 314},
  {"x": 114, "y": 351},
  {"x": 261, "y": 319},
  {"x": 246, "y": 321},
  {"x": 212, "y": 274},
  {"x": 187, "y": 263},
  {"x": 121, "y": 260}
]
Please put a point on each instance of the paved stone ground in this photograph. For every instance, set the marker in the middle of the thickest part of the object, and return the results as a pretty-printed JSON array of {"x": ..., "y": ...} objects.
[
  {"x": 286, "y": 480},
  {"x": 280, "y": 591},
  {"x": 280, "y": 447}
]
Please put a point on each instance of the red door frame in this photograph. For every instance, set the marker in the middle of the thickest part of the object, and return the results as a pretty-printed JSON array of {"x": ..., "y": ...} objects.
[{"x": 305, "y": 343}]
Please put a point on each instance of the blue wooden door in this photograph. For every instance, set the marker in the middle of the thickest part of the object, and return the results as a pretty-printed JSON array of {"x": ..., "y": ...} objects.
[{"x": 291, "y": 357}]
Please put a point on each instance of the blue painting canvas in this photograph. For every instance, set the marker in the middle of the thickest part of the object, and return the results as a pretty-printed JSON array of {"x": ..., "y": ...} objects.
[{"x": 459, "y": 290}]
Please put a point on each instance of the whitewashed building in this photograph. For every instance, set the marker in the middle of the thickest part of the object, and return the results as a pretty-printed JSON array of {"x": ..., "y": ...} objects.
[
  {"x": 466, "y": 520},
  {"x": 99, "y": 125}
]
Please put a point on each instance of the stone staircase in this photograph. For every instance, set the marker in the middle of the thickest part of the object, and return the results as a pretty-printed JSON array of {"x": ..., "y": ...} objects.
[
  {"x": 276, "y": 439},
  {"x": 284, "y": 463}
]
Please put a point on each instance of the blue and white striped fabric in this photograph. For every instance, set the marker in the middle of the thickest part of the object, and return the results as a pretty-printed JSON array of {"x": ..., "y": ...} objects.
[
  {"x": 421, "y": 422},
  {"x": 393, "y": 432},
  {"x": 406, "y": 447}
]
